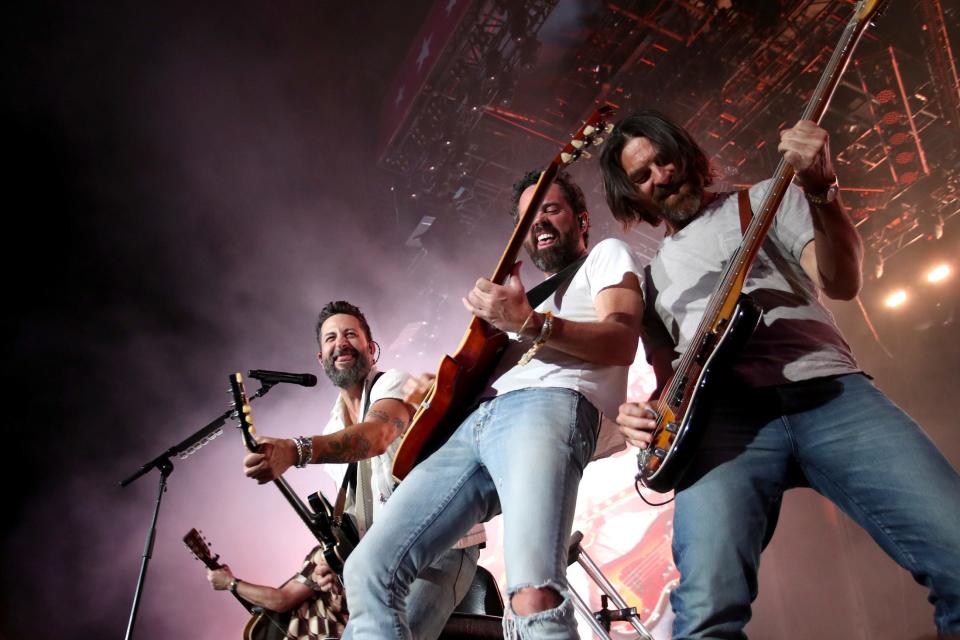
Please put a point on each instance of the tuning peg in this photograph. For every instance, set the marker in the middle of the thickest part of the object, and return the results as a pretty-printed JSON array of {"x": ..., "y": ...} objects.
[
  {"x": 596, "y": 141},
  {"x": 609, "y": 128},
  {"x": 589, "y": 130},
  {"x": 585, "y": 155},
  {"x": 566, "y": 158},
  {"x": 576, "y": 144}
]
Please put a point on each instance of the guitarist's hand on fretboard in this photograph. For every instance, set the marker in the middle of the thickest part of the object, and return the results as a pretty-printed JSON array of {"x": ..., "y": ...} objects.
[
  {"x": 274, "y": 457},
  {"x": 806, "y": 147},
  {"x": 220, "y": 578}
]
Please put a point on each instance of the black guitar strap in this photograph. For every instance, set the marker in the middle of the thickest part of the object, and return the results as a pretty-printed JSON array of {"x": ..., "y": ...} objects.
[
  {"x": 350, "y": 478},
  {"x": 543, "y": 290}
]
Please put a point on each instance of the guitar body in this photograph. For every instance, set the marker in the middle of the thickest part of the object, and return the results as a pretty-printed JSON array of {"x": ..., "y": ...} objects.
[
  {"x": 682, "y": 421},
  {"x": 646, "y": 575},
  {"x": 460, "y": 379},
  {"x": 267, "y": 625},
  {"x": 344, "y": 533}
]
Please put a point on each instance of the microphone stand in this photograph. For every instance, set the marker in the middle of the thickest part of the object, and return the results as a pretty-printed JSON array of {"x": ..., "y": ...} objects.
[{"x": 165, "y": 467}]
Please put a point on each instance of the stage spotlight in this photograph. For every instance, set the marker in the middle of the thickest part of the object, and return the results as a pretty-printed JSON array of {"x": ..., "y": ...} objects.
[
  {"x": 938, "y": 273},
  {"x": 896, "y": 299}
]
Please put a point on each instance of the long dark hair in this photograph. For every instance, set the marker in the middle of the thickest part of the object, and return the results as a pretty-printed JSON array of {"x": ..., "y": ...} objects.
[{"x": 672, "y": 142}]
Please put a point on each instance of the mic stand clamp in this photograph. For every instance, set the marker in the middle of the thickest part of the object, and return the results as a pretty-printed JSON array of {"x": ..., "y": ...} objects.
[{"x": 606, "y": 615}]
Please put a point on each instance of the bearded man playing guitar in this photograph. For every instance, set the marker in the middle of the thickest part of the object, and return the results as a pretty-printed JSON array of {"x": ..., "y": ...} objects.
[
  {"x": 794, "y": 408},
  {"x": 522, "y": 449},
  {"x": 367, "y": 419}
]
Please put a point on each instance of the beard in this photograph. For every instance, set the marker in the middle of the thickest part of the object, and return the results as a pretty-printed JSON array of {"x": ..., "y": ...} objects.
[
  {"x": 686, "y": 204},
  {"x": 356, "y": 373},
  {"x": 564, "y": 250}
]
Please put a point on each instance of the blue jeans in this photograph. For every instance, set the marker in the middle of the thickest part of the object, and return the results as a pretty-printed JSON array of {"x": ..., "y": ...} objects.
[
  {"x": 846, "y": 440},
  {"x": 521, "y": 454},
  {"x": 437, "y": 591}
]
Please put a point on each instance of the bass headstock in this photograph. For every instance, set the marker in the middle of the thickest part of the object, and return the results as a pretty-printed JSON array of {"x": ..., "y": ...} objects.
[
  {"x": 243, "y": 412},
  {"x": 200, "y": 548},
  {"x": 590, "y": 134}
]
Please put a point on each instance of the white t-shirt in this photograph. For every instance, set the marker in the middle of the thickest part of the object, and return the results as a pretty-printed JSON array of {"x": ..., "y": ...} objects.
[
  {"x": 605, "y": 386},
  {"x": 389, "y": 385},
  {"x": 797, "y": 338}
]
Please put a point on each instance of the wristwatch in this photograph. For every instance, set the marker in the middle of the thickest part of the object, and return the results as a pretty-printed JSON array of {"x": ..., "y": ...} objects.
[
  {"x": 233, "y": 586},
  {"x": 826, "y": 196}
]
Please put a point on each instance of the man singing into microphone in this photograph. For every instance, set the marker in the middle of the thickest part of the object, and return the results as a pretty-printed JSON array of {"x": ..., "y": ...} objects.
[{"x": 370, "y": 414}]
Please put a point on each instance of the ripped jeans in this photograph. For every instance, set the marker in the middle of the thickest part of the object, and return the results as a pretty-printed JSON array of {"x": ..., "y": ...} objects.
[{"x": 521, "y": 454}]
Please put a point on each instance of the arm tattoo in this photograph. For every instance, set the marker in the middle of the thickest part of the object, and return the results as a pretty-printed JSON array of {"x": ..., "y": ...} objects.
[
  {"x": 348, "y": 448},
  {"x": 381, "y": 416}
]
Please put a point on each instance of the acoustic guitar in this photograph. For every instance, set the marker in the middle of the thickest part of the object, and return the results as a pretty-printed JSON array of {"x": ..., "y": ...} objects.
[
  {"x": 336, "y": 534},
  {"x": 263, "y": 624},
  {"x": 462, "y": 376},
  {"x": 730, "y": 316}
]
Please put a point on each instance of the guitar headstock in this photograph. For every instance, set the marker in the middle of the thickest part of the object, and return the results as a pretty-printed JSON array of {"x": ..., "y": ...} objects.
[
  {"x": 869, "y": 9},
  {"x": 243, "y": 413},
  {"x": 200, "y": 548},
  {"x": 589, "y": 135}
]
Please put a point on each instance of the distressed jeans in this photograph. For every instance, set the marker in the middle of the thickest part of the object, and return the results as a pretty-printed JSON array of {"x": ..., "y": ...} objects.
[
  {"x": 845, "y": 439},
  {"x": 521, "y": 454}
]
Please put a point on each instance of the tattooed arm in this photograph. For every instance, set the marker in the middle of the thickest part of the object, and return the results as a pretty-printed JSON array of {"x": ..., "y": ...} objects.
[{"x": 385, "y": 421}]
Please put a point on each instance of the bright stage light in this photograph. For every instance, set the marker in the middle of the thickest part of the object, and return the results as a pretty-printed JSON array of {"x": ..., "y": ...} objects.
[
  {"x": 896, "y": 298},
  {"x": 938, "y": 273}
]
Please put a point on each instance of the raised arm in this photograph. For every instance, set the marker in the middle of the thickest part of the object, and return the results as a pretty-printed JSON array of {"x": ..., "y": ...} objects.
[{"x": 833, "y": 259}]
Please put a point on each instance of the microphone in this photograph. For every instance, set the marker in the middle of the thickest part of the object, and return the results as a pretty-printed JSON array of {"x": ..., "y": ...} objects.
[{"x": 273, "y": 377}]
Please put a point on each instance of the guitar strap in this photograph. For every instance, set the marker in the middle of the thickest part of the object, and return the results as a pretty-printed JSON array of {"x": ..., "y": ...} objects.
[
  {"x": 543, "y": 290},
  {"x": 350, "y": 477},
  {"x": 746, "y": 211}
]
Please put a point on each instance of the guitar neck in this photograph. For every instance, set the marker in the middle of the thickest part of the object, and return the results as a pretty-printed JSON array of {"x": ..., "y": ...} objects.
[
  {"x": 509, "y": 257},
  {"x": 305, "y": 514}
]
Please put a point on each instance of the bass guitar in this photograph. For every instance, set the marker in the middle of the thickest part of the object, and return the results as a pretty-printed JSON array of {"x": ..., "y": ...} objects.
[
  {"x": 263, "y": 624},
  {"x": 462, "y": 376},
  {"x": 731, "y": 316},
  {"x": 336, "y": 534}
]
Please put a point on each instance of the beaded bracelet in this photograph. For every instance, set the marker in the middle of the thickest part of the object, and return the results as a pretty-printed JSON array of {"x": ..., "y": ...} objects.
[{"x": 545, "y": 330}]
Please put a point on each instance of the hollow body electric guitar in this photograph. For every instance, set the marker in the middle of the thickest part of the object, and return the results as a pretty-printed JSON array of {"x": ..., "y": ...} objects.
[
  {"x": 731, "y": 316},
  {"x": 336, "y": 534},
  {"x": 462, "y": 376},
  {"x": 264, "y": 624}
]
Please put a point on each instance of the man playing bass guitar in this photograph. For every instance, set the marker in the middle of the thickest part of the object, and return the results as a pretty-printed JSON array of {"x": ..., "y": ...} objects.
[
  {"x": 522, "y": 449},
  {"x": 367, "y": 419},
  {"x": 794, "y": 408}
]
